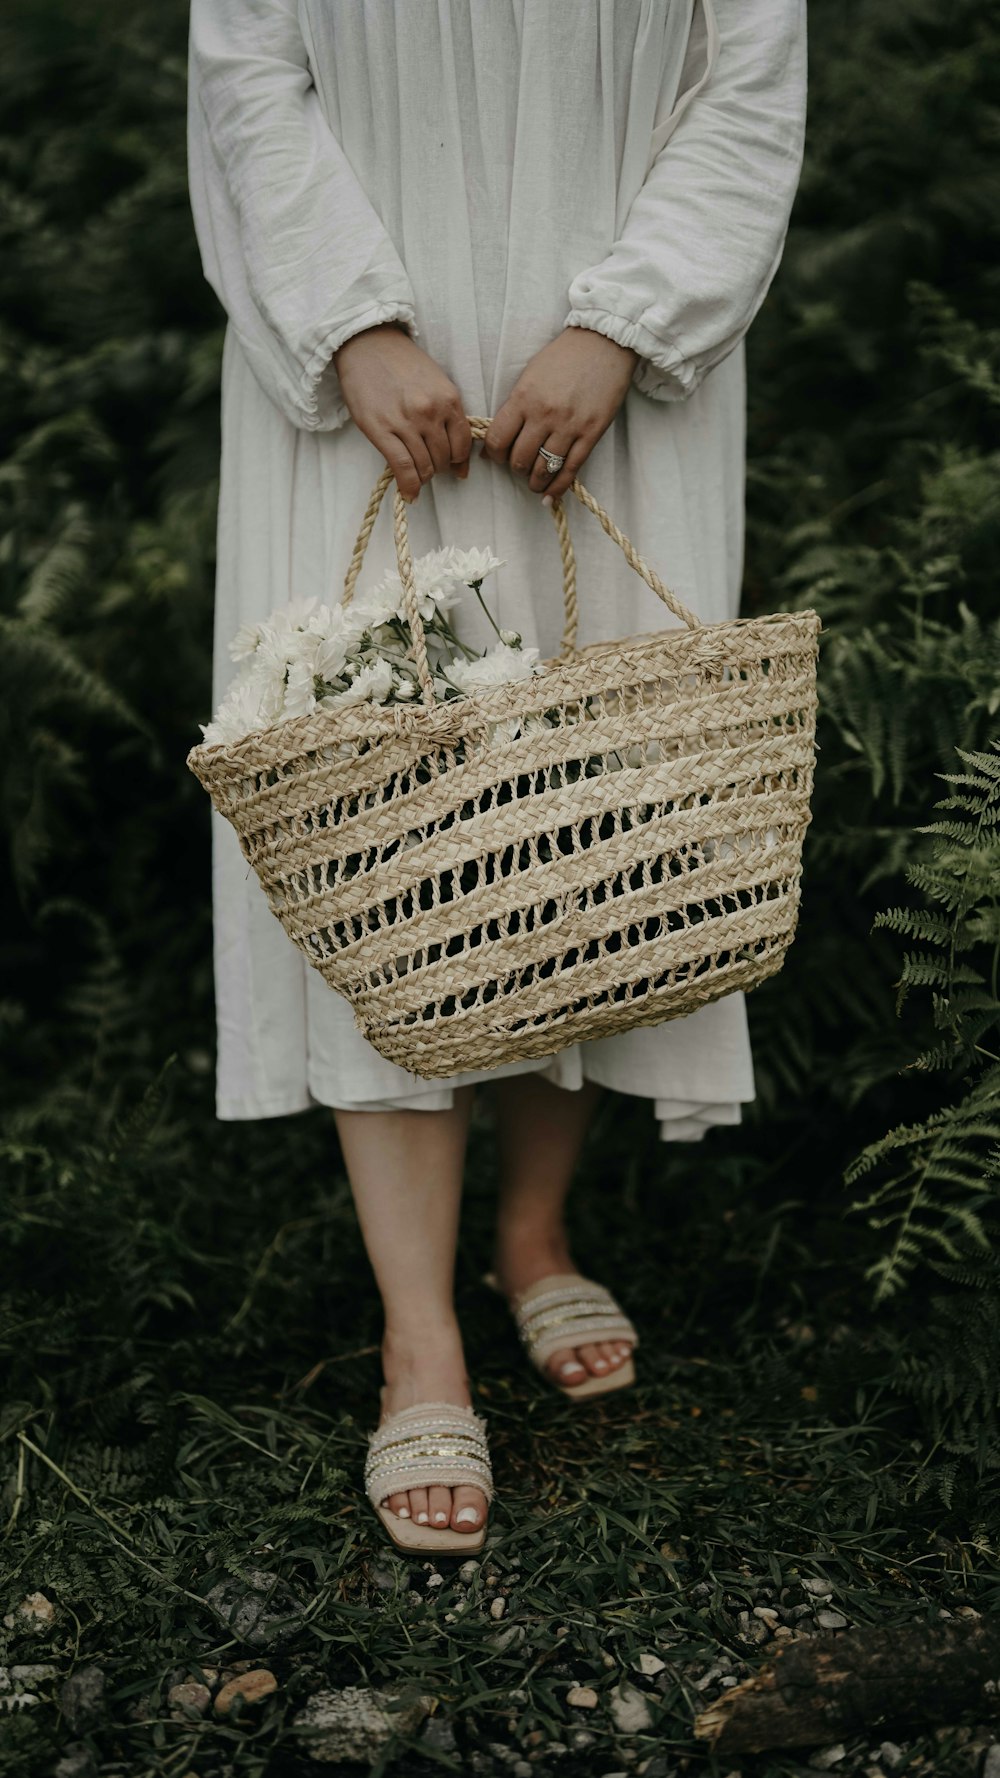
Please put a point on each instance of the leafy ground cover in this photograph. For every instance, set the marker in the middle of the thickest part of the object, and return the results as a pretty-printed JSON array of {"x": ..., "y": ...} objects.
[
  {"x": 194, "y": 1369},
  {"x": 188, "y": 1325}
]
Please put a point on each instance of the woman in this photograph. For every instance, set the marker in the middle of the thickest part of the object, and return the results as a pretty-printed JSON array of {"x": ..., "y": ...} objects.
[{"x": 561, "y": 215}]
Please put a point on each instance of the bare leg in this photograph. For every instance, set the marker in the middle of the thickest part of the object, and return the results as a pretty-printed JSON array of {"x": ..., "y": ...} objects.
[
  {"x": 540, "y": 1132},
  {"x": 405, "y": 1170}
]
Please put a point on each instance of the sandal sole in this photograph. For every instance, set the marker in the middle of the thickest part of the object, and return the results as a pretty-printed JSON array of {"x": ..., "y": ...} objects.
[{"x": 409, "y": 1536}]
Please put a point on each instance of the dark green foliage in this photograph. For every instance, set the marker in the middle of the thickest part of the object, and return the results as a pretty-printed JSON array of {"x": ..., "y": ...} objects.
[{"x": 187, "y": 1319}]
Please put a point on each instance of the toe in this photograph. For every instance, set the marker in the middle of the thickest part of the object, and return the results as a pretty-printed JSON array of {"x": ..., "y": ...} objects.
[
  {"x": 468, "y": 1508},
  {"x": 440, "y": 1506},
  {"x": 565, "y": 1366},
  {"x": 593, "y": 1358},
  {"x": 418, "y": 1506},
  {"x": 612, "y": 1352},
  {"x": 399, "y": 1504}
]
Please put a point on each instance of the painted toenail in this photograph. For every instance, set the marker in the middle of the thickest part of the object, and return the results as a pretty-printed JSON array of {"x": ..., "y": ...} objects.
[
  {"x": 440, "y": 1518},
  {"x": 600, "y": 1364},
  {"x": 570, "y": 1364},
  {"x": 403, "y": 1512},
  {"x": 465, "y": 1514},
  {"x": 421, "y": 1518}
]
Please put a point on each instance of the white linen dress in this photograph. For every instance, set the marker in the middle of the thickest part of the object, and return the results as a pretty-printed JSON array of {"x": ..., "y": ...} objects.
[{"x": 487, "y": 172}]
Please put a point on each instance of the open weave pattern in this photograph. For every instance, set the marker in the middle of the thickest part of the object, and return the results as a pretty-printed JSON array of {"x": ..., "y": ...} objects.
[
  {"x": 569, "y": 1311},
  {"x": 481, "y": 901},
  {"x": 433, "y": 1442}
]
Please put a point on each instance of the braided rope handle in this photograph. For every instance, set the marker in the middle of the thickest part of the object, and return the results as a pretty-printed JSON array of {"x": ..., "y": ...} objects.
[{"x": 404, "y": 558}]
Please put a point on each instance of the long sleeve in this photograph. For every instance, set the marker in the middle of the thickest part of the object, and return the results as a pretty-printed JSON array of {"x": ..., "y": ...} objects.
[
  {"x": 705, "y": 233},
  {"x": 289, "y": 240}
]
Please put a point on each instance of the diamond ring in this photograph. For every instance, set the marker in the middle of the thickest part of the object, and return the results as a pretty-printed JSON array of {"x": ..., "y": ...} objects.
[{"x": 553, "y": 461}]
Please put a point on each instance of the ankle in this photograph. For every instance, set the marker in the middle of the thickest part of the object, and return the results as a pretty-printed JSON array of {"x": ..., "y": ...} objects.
[
  {"x": 521, "y": 1260},
  {"x": 436, "y": 1337}
]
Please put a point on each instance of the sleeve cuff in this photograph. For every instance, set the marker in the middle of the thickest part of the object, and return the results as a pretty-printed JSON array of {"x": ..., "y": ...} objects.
[
  {"x": 662, "y": 371},
  {"x": 321, "y": 406}
]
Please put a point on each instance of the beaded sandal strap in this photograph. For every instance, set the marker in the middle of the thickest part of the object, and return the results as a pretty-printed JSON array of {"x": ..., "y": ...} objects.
[
  {"x": 433, "y": 1442},
  {"x": 572, "y": 1312}
]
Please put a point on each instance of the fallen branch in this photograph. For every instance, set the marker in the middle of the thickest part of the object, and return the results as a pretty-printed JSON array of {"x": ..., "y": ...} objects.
[{"x": 820, "y": 1688}]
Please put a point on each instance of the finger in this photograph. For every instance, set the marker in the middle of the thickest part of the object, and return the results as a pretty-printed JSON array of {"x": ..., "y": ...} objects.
[
  {"x": 576, "y": 457},
  {"x": 541, "y": 475},
  {"x": 501, "y": 433},
  {"x": 460, "y": 440},
  {"x": 420, "y": 458},
  {"x": 398, "y": 456},
  {"x": 523, "y": 456},
  {"x": 438, "y": 446}
]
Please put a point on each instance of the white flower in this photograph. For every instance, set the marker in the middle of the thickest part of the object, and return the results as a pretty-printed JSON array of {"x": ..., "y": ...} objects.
[
  {"x": 373, "y": 681},
  {"x": 507, "y": 730},
  {"x": 468, "y": 565},
  {"x": 298, "y": 612},
  {"x": 403, "y": 685},
  {"x": 499, "y": 666},
  {"x": 244, "y": 642},
  {"x": 300, "y": 697},
  {"x": 378, "y": 603},
  {"x": 511, "y": 638},
  {"x": 331, "y": 657},
  {"x": 240, "y": 713}
]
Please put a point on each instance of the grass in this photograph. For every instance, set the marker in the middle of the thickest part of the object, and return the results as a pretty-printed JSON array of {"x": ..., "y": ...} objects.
[{"x": 192, "y": 1343}]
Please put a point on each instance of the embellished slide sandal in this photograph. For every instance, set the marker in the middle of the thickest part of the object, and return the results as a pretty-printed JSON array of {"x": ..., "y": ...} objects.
[
  {"x": 433, "y": 1442},
  {"x": 565, "y": 1310}
]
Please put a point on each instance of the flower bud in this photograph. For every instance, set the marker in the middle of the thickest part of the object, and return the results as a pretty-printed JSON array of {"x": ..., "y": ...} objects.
[{"x": 511, "y": 638}]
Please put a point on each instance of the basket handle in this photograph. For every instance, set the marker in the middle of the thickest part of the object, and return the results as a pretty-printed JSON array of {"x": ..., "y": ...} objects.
[{"x": 405, "y": 560}]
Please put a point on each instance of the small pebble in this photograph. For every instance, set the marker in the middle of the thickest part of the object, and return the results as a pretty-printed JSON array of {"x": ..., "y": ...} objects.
[
  {"x": 767, "y": 1615},
  {"x": 629, "y": 1710},
  {"x": 582, "y": 1697},
  {"x": 438, "y": 1733},
  {"x": 820, "y": 1589},
  {"x": 581, "y": 1739},
  {"x": 991, "y": 1764},
  {"x": 650, "y": 1665},
  {"x": 251, "y": 1687},
  {"x": 498, "y": 1608},
  {"x": 467, "y": 1573},
  {"x": 435, "y": 1580},
  {"x": 890, "y": 1755},
  {"x": 608, "y": 1661},
  {"x": 187, "y": 1697},
  {"x": 831, "y": 1620},
  {"x": 828, "y": 1756},
  {"x": 36, "y": 1613}
]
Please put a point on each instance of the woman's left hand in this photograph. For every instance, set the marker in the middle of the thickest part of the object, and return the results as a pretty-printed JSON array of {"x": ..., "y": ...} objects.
[{"x": 566, "y": 396}]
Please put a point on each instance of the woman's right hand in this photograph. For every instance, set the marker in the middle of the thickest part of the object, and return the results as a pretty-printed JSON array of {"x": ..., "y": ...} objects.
[{"x": 405, "y": 403}]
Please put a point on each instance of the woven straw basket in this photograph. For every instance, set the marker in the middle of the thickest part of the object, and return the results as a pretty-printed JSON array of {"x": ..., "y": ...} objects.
[{"x": 479, "y": 901}]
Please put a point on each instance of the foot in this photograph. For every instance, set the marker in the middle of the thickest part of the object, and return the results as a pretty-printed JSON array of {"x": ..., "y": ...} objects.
[
  {"x": 420, "y": 1366},
  {"x": 519, "y": 1263}
]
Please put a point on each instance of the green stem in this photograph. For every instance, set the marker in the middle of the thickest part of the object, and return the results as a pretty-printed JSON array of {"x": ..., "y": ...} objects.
[{"x": 475, "y": 585}]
